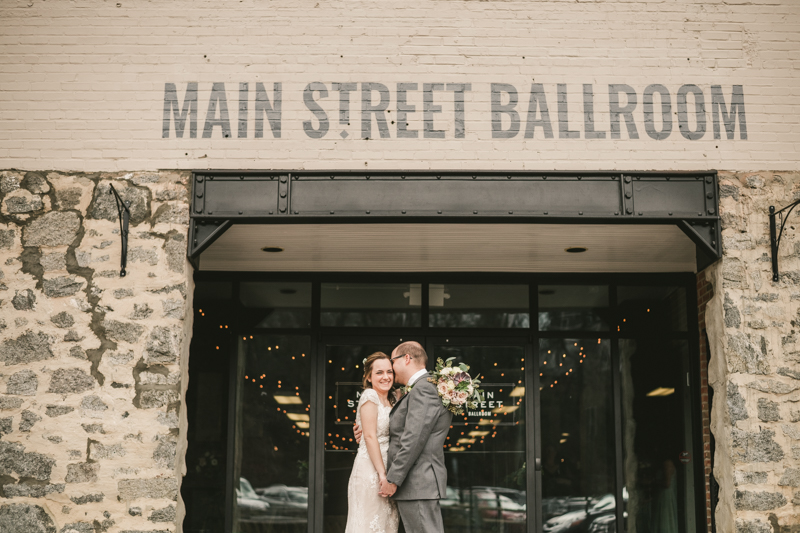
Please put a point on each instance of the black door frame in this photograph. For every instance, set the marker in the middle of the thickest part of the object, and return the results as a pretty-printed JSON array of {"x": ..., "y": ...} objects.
[{"x": 320, "y": 335}]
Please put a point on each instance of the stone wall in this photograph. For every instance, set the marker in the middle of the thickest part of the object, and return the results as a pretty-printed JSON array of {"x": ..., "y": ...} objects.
[
  {"x": 753, "y": 326},
  {"x": 91, "y": 379}
]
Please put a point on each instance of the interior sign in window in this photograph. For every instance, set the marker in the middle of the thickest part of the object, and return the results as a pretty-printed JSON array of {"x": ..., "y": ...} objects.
[{"x": 412, "y": 110}]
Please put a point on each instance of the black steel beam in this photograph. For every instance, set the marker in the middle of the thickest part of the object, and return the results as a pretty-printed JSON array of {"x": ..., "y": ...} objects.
[{"x": 687, "y": 199}]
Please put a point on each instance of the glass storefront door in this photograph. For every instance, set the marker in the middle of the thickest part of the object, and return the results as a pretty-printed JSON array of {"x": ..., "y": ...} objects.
[{"x": 588, "y": 424}]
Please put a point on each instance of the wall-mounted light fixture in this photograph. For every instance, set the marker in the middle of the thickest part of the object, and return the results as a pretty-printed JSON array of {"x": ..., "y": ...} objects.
[{"x": 775, "y": 236}]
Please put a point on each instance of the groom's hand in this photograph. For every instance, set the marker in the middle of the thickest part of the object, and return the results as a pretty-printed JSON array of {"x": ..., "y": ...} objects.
[
  {"x": 357, "y": 433},
  {"x": 387, "y": 489}
]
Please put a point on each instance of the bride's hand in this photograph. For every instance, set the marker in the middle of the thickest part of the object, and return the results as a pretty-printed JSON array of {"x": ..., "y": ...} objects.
[{"x": 357, "y": 433}]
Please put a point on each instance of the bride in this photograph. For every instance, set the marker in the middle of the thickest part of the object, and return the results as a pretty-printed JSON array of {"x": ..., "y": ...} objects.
[{"x": 367, "y": 510}]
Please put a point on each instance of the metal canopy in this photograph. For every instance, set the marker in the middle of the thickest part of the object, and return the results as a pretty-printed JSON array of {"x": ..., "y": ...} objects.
[{"x": 689, "y": 201}]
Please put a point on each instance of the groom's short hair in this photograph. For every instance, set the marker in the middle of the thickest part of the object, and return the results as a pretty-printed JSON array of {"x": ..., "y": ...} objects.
[{"x": 415, "y": 350}]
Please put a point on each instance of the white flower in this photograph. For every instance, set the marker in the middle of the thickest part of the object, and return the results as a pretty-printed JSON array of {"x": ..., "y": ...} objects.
[
  {"x": 450, "y": 385},
  {"x": 470, "y": 389},
  {"x": 442, "y": 388}
]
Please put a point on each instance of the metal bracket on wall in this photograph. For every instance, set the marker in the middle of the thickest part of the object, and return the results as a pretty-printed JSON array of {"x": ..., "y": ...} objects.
[
  {"x": 775, "y": 236},
  {"x": 203, "y": 233},
  {"x": 123, "y": 209}
]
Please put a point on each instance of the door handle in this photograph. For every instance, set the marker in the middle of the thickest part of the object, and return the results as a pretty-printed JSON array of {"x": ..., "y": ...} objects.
[{"x": 537, "y": 464}]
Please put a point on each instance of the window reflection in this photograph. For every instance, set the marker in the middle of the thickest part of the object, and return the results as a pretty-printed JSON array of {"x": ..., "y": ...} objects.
[
  {"x": 578, "y": 452},
  {"x": 371, "y": 305},
  {"x": 274, "y": 428},
  {"x": 656, "y": 436},
  {"x": 651, "y": 309},
  {"x": 277, "y": 305},
  {"x": 573, "y": 307},
  {"x": 478, "y": 306}
]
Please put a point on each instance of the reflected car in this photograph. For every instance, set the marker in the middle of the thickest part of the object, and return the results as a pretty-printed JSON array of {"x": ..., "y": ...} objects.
[
  {"x": 286, "y": 501},
  {"x": 249, "y": 504},
  {"x": 493, "y": 505},
  {"x": 583, "y": 521}
]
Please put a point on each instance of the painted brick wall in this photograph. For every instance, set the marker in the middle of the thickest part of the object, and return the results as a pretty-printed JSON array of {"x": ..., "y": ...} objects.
[
  {"x": 83, "y": 83},
  {"x": 705, "y": 291}
]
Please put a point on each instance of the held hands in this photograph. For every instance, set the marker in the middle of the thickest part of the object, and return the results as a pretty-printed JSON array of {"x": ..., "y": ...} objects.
[
  {"x": 387, "y": 489},
  {"x": 357, "y": 433}
]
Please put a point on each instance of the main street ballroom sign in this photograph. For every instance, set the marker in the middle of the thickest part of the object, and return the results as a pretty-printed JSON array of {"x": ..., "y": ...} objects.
[{"x": 369, "y": 110}]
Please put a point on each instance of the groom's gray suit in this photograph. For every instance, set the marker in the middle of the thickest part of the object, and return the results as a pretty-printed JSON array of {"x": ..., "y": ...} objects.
[{"x": 418, "y": 428}]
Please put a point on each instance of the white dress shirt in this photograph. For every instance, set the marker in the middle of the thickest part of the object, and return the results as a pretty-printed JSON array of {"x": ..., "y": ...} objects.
[{"x": 413, "y": 379}]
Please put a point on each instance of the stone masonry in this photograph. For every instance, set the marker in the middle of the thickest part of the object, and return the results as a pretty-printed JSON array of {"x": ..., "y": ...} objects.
[
  {"x": 92, "y": 365},
  {"x": 753, "y": 326}
]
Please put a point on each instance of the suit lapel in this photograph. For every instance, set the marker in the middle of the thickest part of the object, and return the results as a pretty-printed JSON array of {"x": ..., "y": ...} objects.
[{"x": 398, "y": 402}]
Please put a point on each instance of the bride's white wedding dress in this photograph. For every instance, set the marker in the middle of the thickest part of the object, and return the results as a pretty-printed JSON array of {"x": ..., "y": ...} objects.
[{"x": 368, "y": 511}]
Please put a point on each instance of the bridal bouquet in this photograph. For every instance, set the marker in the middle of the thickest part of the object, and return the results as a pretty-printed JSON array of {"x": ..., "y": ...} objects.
[{"x": 456, "y": 388}]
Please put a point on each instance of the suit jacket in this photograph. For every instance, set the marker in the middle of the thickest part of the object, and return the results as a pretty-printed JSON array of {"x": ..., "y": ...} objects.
[{"x": 418, "y": 428}]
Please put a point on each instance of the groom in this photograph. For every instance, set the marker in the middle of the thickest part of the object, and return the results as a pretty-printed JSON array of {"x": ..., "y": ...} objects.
[{"x": 416, "y": 477}]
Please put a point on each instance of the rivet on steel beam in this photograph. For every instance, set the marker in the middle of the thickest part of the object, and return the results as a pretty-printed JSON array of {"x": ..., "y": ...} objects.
[
  {"x": 616, "y": 212},
  {"x": 240, "y": 212},
  {"x": 474, "y": 212},
  {"x": 579, "y": 178},
  {"x": 713, "y": 243},
  {"x": 700, "y": 214},
  {"x": 545, "y": 212},
  {"x": 627, "y": 179},
  {"x": 710, "y": 211},
  {"x": 438, "y": 177},
  {"x": 439, "y": 212},
  {"x": 270, "y": 212},
  {"x": 474, "y": 177},
  {"x": 241, "y": 177},
  {"x": 198, "y": 209},
  {"x": 283, "y": 179},
  {"x": 332, "y": 177},
  {"x": 629, "y": 210},
  {"x": 368, "y": 212},
  {"x": 366, "y": 177},
  {"x": 296, "y": 212},
  {"x": 511, "y": 212},
  {"x": 708, "y": 179},
  {"x": 509, "y": 177},
  {"x": 627, "y": 194},
  {"x": 402, "y": 177},
  {"x": 199, "y": 179},
  {"x": 283, "y": 210},
  {"x": 580, "y": 212},
  {"x": 670, "y": 213},
  {"x": 199, "y": 194},
  {"x": 640, "y": 213},
  {"x": 297, "y": 178},
  {"x": 331, "y": 212},
  {"x": 404, "y": 212},
  {"x": 283, "y": 194},
  {"x": 210, "y": 213},
  {"x": 710, "y": 195}
]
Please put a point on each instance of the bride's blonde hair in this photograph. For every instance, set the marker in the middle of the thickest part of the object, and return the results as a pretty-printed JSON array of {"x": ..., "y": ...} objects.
[{"x": 368, "y": 362}]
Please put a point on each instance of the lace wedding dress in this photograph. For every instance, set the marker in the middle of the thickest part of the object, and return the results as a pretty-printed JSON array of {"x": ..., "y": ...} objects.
[{"x": 367, "y": 511}]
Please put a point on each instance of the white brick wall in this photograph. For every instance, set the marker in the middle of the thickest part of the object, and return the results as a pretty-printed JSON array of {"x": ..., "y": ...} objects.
[{"x": 82, "y": 82}]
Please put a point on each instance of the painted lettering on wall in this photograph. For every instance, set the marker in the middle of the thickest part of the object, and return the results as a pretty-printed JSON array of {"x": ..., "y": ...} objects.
[{"x": 369, "y": 110}]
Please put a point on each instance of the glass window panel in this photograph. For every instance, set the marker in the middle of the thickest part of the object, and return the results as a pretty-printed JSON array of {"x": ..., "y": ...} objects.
[
  {"x": 651, "y": 309},
  {"x": 371, "y": 305},
  {"x": 573, "y": 307},
  {"x": 577, "y": 432},
  {"x": 276, "y": 305},
  {"x": 485, "y": 450},
  {"x": 273, "y": 416},
  {"x": 657, "y": 436},
  {"x": 343, "y": 373},
  {"x": 478, "y": 306}
]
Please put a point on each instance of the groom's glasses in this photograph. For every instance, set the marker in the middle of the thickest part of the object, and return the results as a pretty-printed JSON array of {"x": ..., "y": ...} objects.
[{"x": 398, "y": 356}]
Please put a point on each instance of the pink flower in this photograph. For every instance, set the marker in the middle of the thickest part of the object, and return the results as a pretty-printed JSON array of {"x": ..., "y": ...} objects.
[
  {"x": 442, "y": 388},
  {"x": 461, "y": 396}
]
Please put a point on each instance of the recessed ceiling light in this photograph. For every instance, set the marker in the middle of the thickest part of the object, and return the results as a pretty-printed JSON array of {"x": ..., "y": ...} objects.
[
  {"x": 575, "y": 249},
  {"x": 272, "y": 249}
]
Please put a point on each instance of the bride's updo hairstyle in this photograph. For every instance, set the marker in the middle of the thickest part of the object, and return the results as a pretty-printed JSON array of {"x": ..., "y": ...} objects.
[{"x": 368, "y": 362}]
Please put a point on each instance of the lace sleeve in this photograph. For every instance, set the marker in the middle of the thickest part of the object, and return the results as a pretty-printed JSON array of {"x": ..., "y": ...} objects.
[{"x": 369, "y": 395}]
